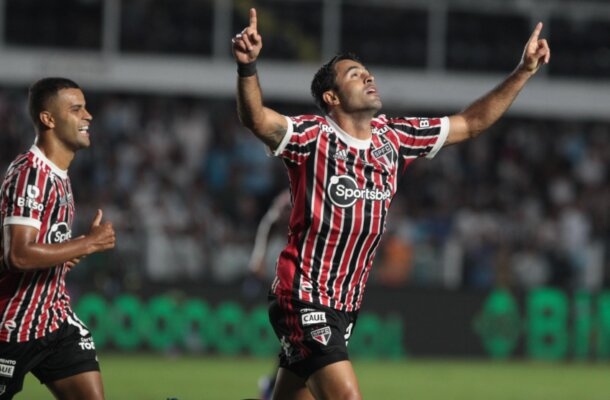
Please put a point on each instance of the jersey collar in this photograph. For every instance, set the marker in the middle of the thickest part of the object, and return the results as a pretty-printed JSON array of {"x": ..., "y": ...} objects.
[
  {"x": 360, "y": 144},
  {"x": 58, "y": 171}
]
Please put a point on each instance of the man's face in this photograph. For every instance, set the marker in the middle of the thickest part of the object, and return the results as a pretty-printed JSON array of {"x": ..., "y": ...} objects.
[
  {"x": 70, "y": 119},
  {"x": 356, "y": 89}
]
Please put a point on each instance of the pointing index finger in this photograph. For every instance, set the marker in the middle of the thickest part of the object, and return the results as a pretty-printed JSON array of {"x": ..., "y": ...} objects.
[
  {"x": 253, "y": 18},
  {"x": 536, "y": 32}
]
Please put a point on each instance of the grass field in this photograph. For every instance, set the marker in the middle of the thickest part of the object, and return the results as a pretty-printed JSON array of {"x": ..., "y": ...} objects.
[{"x": 154, "y": 377}]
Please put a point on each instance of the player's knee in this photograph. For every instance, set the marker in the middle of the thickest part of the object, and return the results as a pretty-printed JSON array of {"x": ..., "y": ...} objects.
[
  {"x": 343, "y": 392},
  {"x": 340, "y": 395},
  {"x": 351, "y": 393}
]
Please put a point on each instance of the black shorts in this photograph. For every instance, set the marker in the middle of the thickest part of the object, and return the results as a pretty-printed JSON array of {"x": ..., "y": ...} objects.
[
  {"x": 65, "y": 352},
  {"x": 312, "y": 336}
]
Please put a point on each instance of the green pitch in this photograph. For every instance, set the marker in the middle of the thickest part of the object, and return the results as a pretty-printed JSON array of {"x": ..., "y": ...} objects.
[{"x": 154, "y": 377}]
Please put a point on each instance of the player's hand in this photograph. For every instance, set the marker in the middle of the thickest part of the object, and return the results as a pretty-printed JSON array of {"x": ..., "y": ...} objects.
[
  {"x": 248, "y": 43},
  {"x": 536, "y": 52},
  {"x": 101, "y": 235},
  {"x": 72, "y": 263}
]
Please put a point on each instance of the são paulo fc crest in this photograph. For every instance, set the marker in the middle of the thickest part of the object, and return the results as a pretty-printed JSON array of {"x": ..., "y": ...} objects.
[
  {"x": 321, "y": 335},
  {"x": 343, "y": 192}
]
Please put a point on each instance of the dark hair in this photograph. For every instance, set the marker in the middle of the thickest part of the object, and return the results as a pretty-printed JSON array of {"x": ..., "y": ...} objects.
[
  {"x": 325, "y": 79},
  {"x": 41, "y": 91}
]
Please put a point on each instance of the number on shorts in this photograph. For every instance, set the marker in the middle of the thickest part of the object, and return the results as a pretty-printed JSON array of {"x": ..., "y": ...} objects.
[{"x": 348, "y": 332}]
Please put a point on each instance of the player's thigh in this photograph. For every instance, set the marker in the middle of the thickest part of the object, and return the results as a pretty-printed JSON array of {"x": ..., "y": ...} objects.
[
  {"x": 71, "y": 370},
  {"x": 290, "y": 386},
  {"x": 16, "y": 360},
  {"x": 335, "y": 381},
  {"x": 83, "y": 386}
]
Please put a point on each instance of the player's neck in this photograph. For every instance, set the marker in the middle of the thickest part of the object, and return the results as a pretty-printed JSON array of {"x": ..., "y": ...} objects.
[
  {"x": 55, "y": 151},
  {"x": 355, "y": 125}
]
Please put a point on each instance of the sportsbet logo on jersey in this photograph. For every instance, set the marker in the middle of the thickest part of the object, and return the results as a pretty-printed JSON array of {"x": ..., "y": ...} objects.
[
  {"x": 59, "y": 233},
  {"x": 344, "y": 192}
]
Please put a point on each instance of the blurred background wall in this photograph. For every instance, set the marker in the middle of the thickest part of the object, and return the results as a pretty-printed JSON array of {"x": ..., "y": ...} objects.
[{"x": 524, "y": 207}]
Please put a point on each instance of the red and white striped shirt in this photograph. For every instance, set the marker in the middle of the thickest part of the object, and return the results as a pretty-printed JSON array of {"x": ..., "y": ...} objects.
[
  {"x": 35, "y": 192},
  {"x": 342, "y": 188}
]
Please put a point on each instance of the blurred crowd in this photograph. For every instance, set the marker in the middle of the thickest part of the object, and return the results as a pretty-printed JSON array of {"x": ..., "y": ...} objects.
[
  {"x": 525, "y": 205},
  {"x": 442, "y": 34}
]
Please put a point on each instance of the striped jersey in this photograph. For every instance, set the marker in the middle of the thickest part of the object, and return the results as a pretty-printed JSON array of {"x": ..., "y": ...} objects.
[
  {"x": 342, "y": 188},
  {"x": 37, "y": 193}
]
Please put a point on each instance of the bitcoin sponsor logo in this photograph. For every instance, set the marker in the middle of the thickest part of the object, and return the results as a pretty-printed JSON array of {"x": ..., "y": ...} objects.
[{"x": 32, "y": 193}]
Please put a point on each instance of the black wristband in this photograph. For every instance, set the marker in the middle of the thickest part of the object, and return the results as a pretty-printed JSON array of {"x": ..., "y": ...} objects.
[{"x": 246, "y": 70}]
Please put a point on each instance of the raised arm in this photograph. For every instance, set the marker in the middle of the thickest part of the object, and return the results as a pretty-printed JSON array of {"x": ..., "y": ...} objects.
[
  {"x": 481, "y": 114},
  {"x": 265, "y": 123}
]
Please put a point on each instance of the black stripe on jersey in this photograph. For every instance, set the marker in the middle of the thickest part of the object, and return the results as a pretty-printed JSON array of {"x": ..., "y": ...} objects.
[
  {"x": 53, "y": 187},
  {"x": 369, "y": 255},
  {"x": 54, "y": 312},
  {"x": 48, "y": 189},
  {"x": 353, "y": 264},
  {"x": 7, "y": 311},
  {"x": 367, "y": 210},
  {"x": 307, "y": 221},
  {"x": 51, "y": 287},
  {"x": 25, "y": 302},
  {"x": 393, "y": 155},
  {"x": 11, "y": 194},
  {"x": 19, "y": 161},
  {"x": 288, "y": 163},
  {"x": 14, "y": 169},
  {"x": 326, "y": 214},
  {"x": 338, "y": 259},
  {"x": 50, "y": 277},
  {"x": 32, "y": 179},
  {"x": 303, "y": 148},
  {"x": 419, "y": 134}
]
